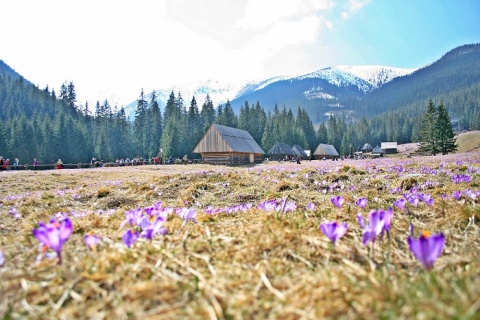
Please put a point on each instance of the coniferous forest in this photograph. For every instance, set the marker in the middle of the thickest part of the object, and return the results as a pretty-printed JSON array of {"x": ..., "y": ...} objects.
[
  {"x": 41, "y": 123},
  {"x": 36, "y": 123}
]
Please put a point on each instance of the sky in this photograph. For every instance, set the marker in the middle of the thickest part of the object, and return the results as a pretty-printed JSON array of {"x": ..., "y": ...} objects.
[{"x": 112, "y": 49}]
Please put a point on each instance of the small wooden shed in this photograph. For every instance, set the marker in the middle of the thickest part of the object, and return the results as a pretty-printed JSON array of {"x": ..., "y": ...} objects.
[
  {"x": 280, "y": 151},
  {"x": 378, "y": 152},
  {"x": 226, "y": 145},
  {"x": 389, "y": 147},
  {"x": 299, "y": 151},
  {"x": 326, "y": 151}
]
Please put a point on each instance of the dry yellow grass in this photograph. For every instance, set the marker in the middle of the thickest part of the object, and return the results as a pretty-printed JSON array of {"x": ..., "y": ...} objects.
[{"x": 247, "y": 265}]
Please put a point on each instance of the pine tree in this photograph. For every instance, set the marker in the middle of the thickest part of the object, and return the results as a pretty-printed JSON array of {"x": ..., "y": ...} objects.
[
  {"x": 207, "y": 114},
  {"x": 322, "y": 135},
  {"x": 446, "y": 136},
  {"x": 429, "y": 133}
]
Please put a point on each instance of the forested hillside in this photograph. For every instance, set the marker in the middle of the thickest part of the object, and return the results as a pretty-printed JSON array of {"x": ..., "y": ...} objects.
[{"x": 36, "y": 123}]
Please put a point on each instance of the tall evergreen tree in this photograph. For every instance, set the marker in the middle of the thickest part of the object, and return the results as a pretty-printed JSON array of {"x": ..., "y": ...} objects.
[
  {"x": 446, "y": 136},
  {"x": 429, "y": 132}
]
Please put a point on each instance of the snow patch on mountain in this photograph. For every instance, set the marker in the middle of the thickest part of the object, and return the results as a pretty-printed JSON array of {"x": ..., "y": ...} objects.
[
  {"x": 317, "y": 93},
  {"x": 376, "y": 75},
  {"x": 366, "y": 78}
]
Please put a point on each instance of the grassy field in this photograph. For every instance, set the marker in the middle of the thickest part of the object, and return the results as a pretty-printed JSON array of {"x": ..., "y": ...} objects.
[{"x": 242, "y": 261}]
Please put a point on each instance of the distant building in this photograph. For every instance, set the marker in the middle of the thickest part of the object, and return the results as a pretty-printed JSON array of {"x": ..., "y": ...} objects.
[
  {"x": 367, "y": 147},
  {"x": 326, "y": 151},
  {"x": 225, "y": 145},
  {"x": 389, "y": 147},
  {"x": 299, "y": 151},
  {"x": 280, "y": 151},
  {"x": 377, "y": 151},
  {"x": 455, "y": 124}
]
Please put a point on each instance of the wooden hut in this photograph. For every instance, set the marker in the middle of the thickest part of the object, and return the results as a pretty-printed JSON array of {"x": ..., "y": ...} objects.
[
  {"x": 378, "y": 152},
  {"x": 389, "y": 147},
  {"x": 225, "y": 145},
  {"x": 281, "y": 151},
  {"x": 299, "y": 151},
  {"x": 326, "y": 151},
  {"x": 367, "y": 147}
]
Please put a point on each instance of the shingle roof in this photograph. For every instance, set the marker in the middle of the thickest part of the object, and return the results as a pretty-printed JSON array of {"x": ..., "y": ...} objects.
[
  {"x": 367, "y": 147},
  {"x": 299, "y": 151},
  {"x": 239, "y": 140},
  {"x": 377, "y": 149},
  {"x": 389, "y": 145},
  {"x": 325, "y": 149},
  {"x": 281, "y": 148}
]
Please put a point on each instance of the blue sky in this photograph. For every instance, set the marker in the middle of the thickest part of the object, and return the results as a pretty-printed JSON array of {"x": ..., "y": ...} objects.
[{"x": 114, "y": 48}]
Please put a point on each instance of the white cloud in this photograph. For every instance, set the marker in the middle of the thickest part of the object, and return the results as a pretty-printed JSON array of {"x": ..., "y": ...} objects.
[
  {"x": 353, "y": 6},
  {"x": 114, "y": 48}
]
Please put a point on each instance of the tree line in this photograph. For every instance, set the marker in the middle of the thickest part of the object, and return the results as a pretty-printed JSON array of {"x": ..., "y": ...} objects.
[{"x": 35, "y": 123}]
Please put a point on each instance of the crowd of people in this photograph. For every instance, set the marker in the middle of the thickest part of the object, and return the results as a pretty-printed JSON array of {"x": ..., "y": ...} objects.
[{"x": 6, "y": 164}]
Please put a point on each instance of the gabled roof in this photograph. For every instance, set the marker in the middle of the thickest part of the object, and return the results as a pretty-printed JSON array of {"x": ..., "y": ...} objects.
[
  {"x": 367, "y": 147},
  {"x": 220, "y": 138},
  {"x": 281, "y": 148},
  {"x": 378, "y": 150},
  {"x": 389, "y": 145},
  {"x": 325, "y": 149},
  {"x": 299, "y": 151}
]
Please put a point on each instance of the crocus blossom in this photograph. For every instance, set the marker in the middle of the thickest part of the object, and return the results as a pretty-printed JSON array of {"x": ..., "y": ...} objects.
[
  {"x": 400, "y": 203},
  {"x": 91, "y": 240},
  {"x": 334, "y": 230},
  {"x": 130, "y": 237},
  {"x": 362, "y": 202},
  {"x": 54, "y": 235},
  {"x": 338, "y": 201},
  {"x": 187, "y": 214},
  {"x": 387, "y": 220},
  {"x": 426, "y": 248},
  {"x": 2, "y": 258},
  {"x": 375, "y": 226},
  {"x": 154, "y": 228}
]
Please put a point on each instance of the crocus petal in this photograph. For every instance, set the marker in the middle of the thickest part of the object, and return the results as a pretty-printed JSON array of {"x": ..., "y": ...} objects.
[
  {"x": 65, "y": 230},
  {"x": 360, "y": 220},
  {"x": 130, "y": 237},
  {"x": 426, "y": 249}
]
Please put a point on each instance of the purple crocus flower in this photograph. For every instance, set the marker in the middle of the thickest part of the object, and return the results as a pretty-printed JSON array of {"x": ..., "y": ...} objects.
[
  {"x": 54, "y": 235},
  {"x": 374, "y": 228},
  {"x": 338, "y": 201},
  {"x": 362, "y": 202},
  {"x": 457, "y": 195},
  {"x": 91, "y": 240},
  {"x": 133, "y": 217},
  {"x": 426, "y": 248},
  {"x": 333, "y": 230},
  {"x": 130, "y": 237},
  {"x": 387, "y": 220},
  {"x": 2, "y": 258},
  {"x": 400, "y": 203},
  {"x": 187, "y": 214},
  {"x": 311, "y": 206},
  {"x": 154, "y": 228},
  {"x": 14, "y": 212}
]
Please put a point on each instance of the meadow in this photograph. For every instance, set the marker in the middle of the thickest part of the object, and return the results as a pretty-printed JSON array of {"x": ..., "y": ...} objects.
[{"x": 214, "y": 242}]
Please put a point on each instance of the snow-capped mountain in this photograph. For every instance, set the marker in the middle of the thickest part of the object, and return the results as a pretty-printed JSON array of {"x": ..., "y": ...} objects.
[
  {"x": 365, "y": 78},
  {"x": 323, "y": 84}
]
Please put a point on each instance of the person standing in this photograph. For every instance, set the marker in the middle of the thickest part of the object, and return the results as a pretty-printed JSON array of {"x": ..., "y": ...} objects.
[
  {"x": 35, "y": 163},
  {"x": 16, "y": 163}
]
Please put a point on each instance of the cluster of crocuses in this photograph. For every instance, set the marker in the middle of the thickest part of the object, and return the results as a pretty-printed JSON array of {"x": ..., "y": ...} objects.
[
  {"x": 280, "y": 206},
  {"x": 426, "y": 248},
  {"x": 145, "y": 223}
]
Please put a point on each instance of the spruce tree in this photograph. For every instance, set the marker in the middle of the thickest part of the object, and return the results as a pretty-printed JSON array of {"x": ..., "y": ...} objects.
[
  {"x": 446, "y": 136},
  {"x": 428, "y": 134}
]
